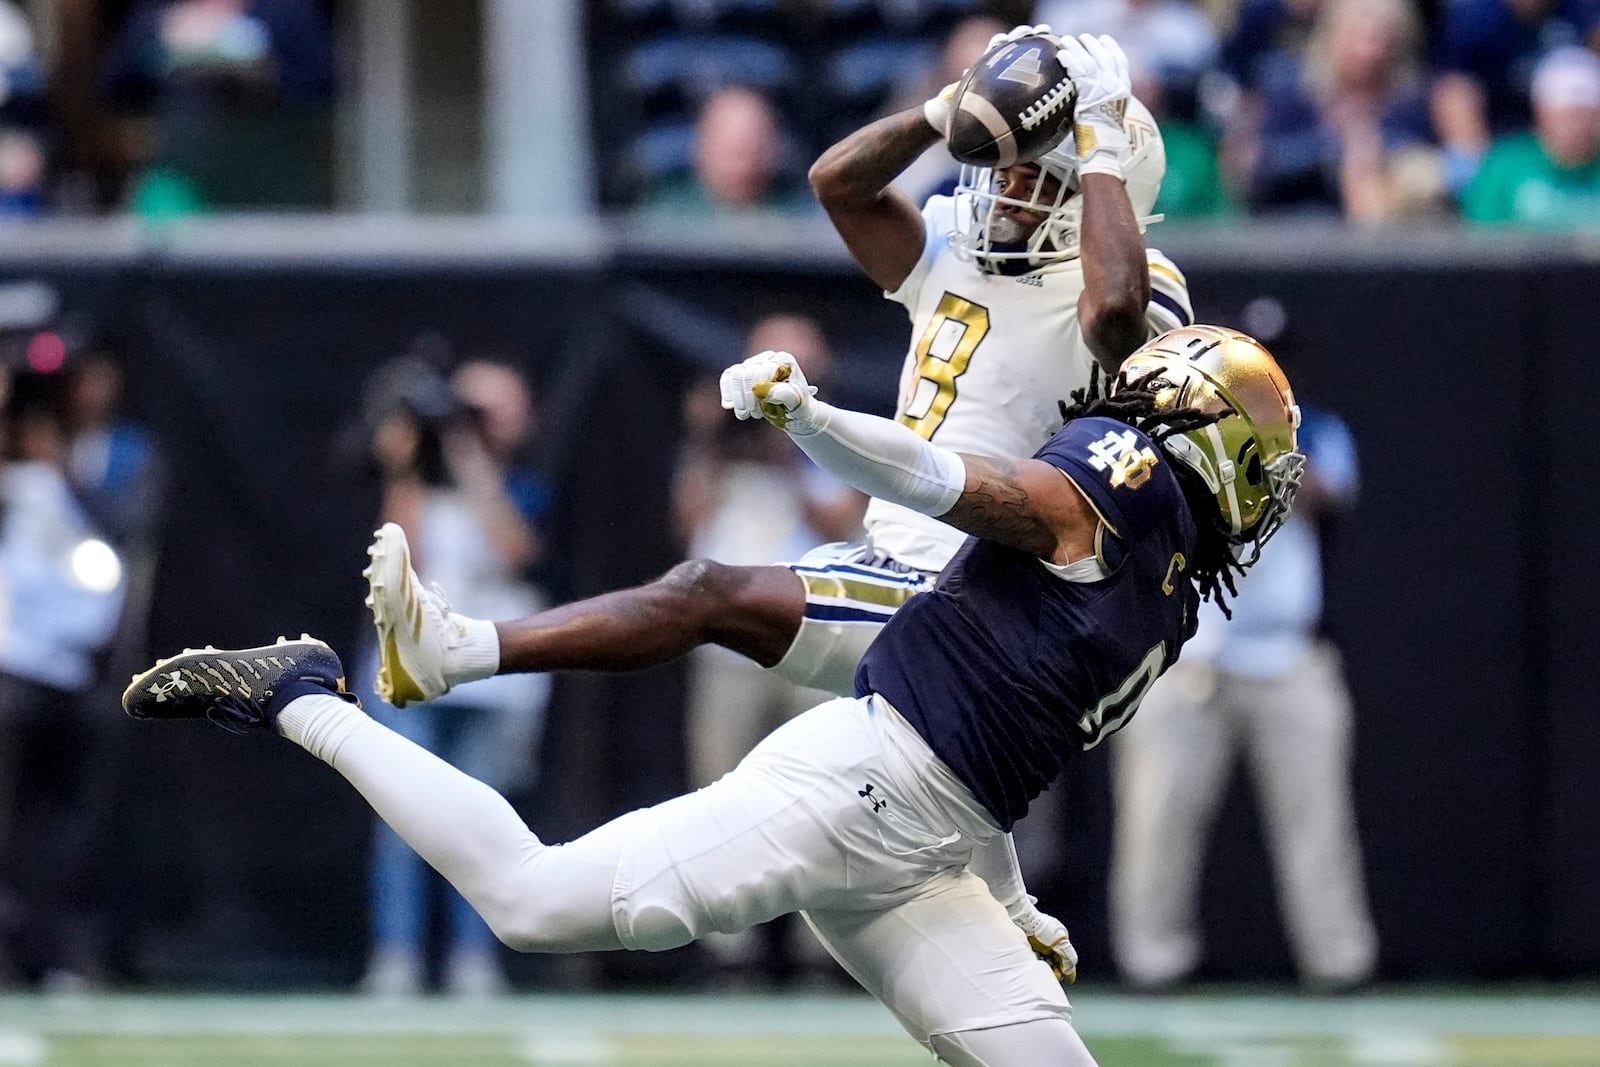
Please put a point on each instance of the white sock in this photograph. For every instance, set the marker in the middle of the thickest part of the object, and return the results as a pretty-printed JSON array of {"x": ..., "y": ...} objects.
[
  {"x": 478, "y": 654},
  {"x": 320, "y": 724}
]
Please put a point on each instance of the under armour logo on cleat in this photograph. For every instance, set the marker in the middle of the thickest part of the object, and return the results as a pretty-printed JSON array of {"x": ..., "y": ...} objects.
[
  {"x": 174, "y": 683},
  {"x": 878, "y": 803}
]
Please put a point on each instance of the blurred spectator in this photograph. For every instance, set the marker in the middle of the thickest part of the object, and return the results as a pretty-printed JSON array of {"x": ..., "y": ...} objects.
[
  {"x": 21, "y": 75},
  {"x": 119, "y": 477},
  {"x": 1170, "y": 44},
  {"x": 500, "y": 404},
  {"x": 444, "y": 485},
  {"x": 1484, "y": 59},
  {"x": 1266, "y": 36},
  {"x": 1193, "y": 186},
  {"x": 113, "y": 464},
  {"x": 1265, "y": 685},
  {"x": 23, "y": 133},
  {"x": 934, "y": 172},
  {"x": 238, "y": 89},
  {"x": 1549, "y": 177},
  {"x": 739, "y": 163},
  {"x": 750, "y": 499},
  {"x": 1334, "y": 126},
  {"x": 63, "y": 590},
  {"x": 22, "y": 174}
]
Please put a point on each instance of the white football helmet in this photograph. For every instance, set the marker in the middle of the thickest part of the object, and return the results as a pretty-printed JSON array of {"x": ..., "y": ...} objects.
[{"x": 1056, "y": 239}]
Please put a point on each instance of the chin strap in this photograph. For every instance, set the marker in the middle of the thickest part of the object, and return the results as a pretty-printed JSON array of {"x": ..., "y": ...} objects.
[
  {"x": 1009, "y": 267},
  {"x": 1019, "y": 260}
]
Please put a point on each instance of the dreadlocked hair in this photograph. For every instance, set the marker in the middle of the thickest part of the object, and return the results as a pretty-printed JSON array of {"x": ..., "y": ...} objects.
[{"x": 1134, "y": 403}]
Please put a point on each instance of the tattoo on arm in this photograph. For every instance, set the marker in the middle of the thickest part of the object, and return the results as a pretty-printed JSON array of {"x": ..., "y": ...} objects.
[
  {"x": 863, "y": 164},
  {"x": 997, "y": 506}
]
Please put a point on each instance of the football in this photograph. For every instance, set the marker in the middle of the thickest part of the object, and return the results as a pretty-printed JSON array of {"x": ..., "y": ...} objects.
[{"x": 1013, "y": 106}]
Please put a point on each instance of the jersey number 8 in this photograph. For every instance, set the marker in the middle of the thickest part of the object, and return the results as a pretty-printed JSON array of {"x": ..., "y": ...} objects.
[{"x": 943, "y": 352}]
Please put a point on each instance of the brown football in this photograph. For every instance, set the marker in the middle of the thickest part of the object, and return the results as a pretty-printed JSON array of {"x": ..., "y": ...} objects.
[{"x": 1013, "y": 106}]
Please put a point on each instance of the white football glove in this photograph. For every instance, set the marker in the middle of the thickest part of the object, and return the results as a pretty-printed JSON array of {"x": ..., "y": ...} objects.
[
  {"x": 770, "y": 385},
  {"x": 1099, "y": 71},
  {"x": 1047, "y": 937},
  {"x": 937, "y": 109}
]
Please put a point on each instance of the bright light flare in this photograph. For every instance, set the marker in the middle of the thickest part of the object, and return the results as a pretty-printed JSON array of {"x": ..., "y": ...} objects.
[{"x": 96, "y": 566}]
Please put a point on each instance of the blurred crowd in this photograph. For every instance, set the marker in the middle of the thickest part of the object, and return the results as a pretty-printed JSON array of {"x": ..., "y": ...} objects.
[
  {"x": 165, "y": 107},
  {"x": 1376, "y": 111}
]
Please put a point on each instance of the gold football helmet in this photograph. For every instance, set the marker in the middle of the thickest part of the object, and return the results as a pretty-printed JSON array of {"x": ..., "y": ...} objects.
[{"x": 1247, "y": 458}]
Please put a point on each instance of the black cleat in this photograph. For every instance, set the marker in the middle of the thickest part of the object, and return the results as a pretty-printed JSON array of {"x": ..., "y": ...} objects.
[{"x": 239, "y": 690}]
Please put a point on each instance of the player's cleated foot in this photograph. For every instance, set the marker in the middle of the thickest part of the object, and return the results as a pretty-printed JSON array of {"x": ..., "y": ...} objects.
[
  {"x": 239, "y": 690},
  {"x": 416, "y": 628}
]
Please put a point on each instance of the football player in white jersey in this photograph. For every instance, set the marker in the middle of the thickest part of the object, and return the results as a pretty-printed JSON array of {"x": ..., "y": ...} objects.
[{"x": 1017, "y": 286}]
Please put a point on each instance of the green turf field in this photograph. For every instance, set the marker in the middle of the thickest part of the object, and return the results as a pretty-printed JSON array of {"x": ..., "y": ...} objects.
[{"x": 1520, "y": 1027}]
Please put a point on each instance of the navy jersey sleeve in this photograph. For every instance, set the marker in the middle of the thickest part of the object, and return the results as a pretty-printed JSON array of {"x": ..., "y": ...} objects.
[{"x": 1127, "y": 479}]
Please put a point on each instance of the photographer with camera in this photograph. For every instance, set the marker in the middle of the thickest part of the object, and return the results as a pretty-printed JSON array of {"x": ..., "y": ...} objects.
[{"x": 440, "y": 456}]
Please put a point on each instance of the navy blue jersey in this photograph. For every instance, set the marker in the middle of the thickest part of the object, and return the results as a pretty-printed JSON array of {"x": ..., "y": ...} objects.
[{"x": 1007, "y": 668}]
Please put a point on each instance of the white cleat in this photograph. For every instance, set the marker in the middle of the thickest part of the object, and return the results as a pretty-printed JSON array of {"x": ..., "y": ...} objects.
[{"x": 416, "y": 628}]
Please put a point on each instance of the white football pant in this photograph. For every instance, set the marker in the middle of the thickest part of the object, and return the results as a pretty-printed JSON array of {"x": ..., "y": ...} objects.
[{"x": 844, "y": 813}]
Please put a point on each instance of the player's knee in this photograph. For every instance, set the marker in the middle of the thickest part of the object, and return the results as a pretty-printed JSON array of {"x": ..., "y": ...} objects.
[
  {"x": 753, "y": 610},
  {"x": 952, "y": 1049},
  {"x": 1043, "y": 1041},
  {"x": 656, "y": 929},
  {"x": 704, "y": 592},
  {"x": 517, "y": 923},
  {"x": 532, "y": 926},
  {"x": 702, "y": 581},
  {"x": 698, "y": 586},
  {"x": 531, "y": 915}
]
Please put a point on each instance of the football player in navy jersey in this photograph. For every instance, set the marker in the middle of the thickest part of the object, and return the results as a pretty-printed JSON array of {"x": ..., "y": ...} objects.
[{"x": 882, "y": 817}]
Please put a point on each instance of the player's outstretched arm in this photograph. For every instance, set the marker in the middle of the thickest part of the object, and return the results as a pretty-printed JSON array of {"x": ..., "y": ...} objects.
[
  {"x": 880, "y": 226},
  {"x": 1024, "y": 503}
]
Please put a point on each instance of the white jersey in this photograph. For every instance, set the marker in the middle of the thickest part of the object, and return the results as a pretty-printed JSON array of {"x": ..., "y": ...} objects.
[{"x": 990, "y": 357}]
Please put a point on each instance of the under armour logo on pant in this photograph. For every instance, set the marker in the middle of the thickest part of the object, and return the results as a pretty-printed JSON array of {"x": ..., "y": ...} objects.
[{"x": 878, "y": 803}]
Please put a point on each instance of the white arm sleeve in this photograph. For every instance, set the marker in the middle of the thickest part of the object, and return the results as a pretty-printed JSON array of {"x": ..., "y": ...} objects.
[
  {"x": 881, "y": 458},
  {"x": 996, "y": 863}
]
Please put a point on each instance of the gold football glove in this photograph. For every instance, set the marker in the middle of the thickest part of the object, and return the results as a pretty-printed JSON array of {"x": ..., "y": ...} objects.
[{"x": 771, "y": 386}]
